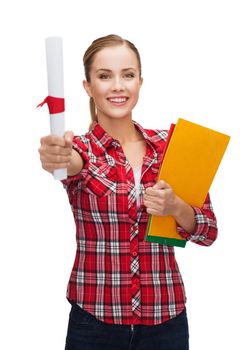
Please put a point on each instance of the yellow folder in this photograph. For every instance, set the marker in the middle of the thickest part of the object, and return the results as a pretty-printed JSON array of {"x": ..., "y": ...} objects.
[{"x": 192, "y": 156}]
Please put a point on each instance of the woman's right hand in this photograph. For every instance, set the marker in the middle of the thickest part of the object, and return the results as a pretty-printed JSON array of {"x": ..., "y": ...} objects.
[{"x": 56, "y": 152}]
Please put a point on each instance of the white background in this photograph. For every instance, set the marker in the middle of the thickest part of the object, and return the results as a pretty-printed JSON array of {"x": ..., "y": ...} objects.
[{"x": 191, "y": 58}]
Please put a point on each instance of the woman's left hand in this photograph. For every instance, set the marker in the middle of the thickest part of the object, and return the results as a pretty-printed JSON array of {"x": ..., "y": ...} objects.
[{"x": 161, "y": 200}]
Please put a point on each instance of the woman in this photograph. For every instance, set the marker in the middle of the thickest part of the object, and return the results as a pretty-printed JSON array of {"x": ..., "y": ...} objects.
[{"x": 125, "y": 293}]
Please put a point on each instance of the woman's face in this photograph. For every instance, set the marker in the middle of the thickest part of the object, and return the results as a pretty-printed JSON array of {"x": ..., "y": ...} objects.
[{"x": 114, "y": 82}]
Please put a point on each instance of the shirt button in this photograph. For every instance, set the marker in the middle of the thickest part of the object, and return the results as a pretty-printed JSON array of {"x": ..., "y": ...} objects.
[
  {"x": 136, "y": 284},
  {"x": 134, "y": 254}
]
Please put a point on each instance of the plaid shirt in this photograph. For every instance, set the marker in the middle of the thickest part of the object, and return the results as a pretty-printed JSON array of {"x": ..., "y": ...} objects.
[{"x": 117, "y": 276}]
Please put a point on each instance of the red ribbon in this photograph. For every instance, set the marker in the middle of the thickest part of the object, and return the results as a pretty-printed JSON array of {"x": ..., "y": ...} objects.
[{"x": 55, "y": 104}]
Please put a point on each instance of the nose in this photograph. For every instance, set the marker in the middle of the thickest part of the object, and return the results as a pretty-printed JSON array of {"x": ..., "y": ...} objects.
[{"x": 117, "y": 84}]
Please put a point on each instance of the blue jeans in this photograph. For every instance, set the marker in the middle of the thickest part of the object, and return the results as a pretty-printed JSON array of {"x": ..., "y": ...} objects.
[{"x": 85, "y": 332}]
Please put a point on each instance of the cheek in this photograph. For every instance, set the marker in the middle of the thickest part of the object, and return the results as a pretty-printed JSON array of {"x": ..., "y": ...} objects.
[
  {"x": 100, "y": 90},
  {"x": 134, "y": 90},
  {"x": 134, "y": 97}
]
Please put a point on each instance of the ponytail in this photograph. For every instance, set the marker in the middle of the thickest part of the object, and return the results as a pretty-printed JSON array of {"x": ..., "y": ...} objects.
[{"x": 92, "y": 112}]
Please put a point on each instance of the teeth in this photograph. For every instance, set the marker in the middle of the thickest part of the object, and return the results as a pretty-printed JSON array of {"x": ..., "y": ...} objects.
[{"x": 118, "y": 99}]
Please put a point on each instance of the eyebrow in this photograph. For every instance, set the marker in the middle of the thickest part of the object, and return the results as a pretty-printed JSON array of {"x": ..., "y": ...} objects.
[{"x": 109, "y": 70}]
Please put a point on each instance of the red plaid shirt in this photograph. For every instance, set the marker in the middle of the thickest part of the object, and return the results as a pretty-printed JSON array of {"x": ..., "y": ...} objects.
[{"x": 117, "y": 276}]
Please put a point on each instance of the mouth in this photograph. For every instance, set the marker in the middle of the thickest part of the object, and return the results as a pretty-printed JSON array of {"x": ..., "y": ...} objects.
[{"x": 118, "y": 101}]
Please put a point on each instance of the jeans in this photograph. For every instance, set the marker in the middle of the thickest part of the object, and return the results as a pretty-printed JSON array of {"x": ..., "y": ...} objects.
[{"x": 85, "y": 332}]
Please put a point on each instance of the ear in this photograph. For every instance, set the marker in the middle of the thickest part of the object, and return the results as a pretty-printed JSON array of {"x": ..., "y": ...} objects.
[
  {"x": 141, "y": 81},
  {"x": 87, "y": 87}
]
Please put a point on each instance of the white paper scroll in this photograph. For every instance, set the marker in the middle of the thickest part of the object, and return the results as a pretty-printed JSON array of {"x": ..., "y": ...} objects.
[{"x": 54, "y": 52}]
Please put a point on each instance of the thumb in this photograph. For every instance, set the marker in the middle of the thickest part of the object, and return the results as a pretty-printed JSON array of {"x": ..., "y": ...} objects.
[
  {"x": 68, "y": 137},
  {"x": 161, "y": 184}
]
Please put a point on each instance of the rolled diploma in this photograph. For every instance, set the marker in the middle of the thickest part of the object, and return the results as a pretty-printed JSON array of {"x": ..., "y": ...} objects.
[{"x": 54, "y": 53}]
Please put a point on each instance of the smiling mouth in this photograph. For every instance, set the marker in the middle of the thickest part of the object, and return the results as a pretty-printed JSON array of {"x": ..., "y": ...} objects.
[{"x": 118, "y": 100}]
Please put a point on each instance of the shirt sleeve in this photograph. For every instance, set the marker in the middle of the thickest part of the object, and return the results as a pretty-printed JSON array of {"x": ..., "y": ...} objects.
[{"x": 205, "y": 232}]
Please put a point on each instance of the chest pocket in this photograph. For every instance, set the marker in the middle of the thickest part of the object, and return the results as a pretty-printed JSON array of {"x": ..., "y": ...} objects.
[{"x": 101, "y": 179}]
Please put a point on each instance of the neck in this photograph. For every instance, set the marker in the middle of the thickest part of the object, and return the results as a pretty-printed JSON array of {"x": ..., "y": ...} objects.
[{"x": 121, "y": 129}]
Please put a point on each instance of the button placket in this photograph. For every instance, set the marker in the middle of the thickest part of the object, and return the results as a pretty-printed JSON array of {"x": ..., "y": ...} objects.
[{"x": 136, "y": 292}]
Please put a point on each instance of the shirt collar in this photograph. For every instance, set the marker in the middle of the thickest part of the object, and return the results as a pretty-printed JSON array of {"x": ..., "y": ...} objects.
[{"x": 103, "y": 139}]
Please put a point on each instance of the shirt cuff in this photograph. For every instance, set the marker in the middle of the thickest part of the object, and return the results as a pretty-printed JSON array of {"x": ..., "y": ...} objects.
[{"x": 204, "y": 225}]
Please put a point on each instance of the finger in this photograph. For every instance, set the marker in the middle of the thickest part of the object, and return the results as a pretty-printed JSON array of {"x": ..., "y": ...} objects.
[
  {"x": 155, "y": 212},
  {"x": 150, "y": 192},
  {"x": 53, "y": 158},
  {"x": 53, "y": 140},
  {"x": 153, "y": 192},
  {"x": 51, "y": 152},
  {"x": 161, "y": 184},
  {"x": 153, "y": 202},
  {"x": 58, "y": 150},
  {"x": 53, "y": 166},
  {"x": 68, "y": 137},
  {"x": 149, "y": 198}
]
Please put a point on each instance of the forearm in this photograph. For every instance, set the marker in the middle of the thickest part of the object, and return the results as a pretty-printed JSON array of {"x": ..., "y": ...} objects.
[{"x": 205, "y": 231}]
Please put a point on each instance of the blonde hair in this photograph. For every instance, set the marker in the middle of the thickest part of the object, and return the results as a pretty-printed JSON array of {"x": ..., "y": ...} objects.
[{"x": 96, "y": 46}]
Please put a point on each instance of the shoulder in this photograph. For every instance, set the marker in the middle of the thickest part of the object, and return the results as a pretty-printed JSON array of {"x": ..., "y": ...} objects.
[{"x": 157, "y": 135}]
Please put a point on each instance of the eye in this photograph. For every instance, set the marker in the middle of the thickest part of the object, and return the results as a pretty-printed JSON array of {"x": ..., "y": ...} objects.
[
  {"x": 104, "y": 76},
  {"x": 129, "y": 75}
]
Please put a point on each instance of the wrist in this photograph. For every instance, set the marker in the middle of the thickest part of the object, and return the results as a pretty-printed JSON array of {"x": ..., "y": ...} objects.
[
  {"x": 75, "y": 164},
  {"x": 185, "y": 215},
  {"x": 178, "y": 207}
]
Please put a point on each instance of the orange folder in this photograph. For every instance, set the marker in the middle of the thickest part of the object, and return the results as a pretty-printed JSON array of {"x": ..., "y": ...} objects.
[{"x": 192, "y": 156}]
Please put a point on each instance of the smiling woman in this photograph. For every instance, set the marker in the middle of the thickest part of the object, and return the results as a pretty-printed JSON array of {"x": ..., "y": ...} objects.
[{"x": 124, "y": 291}]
